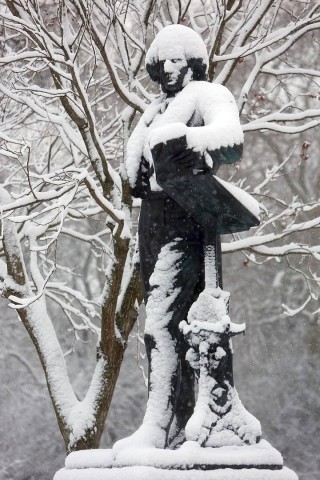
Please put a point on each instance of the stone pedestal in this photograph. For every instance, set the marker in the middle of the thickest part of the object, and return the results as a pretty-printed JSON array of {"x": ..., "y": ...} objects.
[{"x": 189, "y": 462}]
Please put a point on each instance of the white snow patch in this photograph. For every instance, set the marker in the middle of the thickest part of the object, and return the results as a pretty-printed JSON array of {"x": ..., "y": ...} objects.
[
  {"x": 243, "y": 197},
  {"x": 209, "y": 308},
  {"x": 82, "y": 416}
]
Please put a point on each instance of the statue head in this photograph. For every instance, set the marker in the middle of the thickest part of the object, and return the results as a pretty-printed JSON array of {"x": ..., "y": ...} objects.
[{"x": 176, "y": 56}]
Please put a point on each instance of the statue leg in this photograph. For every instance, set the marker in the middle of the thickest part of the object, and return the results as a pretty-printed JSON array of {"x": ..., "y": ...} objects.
[
  {"x": 171, "y": 381},
  {"x": 189, "y": 282},
  {"x": 162, "y": 355},
  {"x": 162, "y": 220},
  {"x": 184, "y": 403}
]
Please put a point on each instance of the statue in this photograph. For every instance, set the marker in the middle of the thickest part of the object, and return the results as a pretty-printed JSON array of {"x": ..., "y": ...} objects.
[
  {"x": 173, "y": 154},
  {"x": 181, "y": 139}
]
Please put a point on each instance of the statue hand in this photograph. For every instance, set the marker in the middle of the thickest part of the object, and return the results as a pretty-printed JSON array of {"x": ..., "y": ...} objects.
[
  {"x": 188, "y": 159},
  {"x": 174, "y": 157}
]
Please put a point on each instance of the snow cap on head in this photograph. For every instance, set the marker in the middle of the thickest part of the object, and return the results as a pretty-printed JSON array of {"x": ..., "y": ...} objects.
[{"x": 175, "y": 41}]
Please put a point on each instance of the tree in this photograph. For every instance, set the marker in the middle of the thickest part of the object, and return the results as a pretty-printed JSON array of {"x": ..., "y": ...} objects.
[{"x": 72, "y": 85}]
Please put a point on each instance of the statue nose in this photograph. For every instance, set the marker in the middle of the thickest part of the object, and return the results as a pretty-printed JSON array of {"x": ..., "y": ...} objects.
[{"x": 168, "y": 66}]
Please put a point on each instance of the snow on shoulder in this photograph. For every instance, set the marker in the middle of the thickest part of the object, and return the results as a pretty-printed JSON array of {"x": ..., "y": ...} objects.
[
  {"x": 211, "y": 103},
  {"x": 214, "y": 104}
]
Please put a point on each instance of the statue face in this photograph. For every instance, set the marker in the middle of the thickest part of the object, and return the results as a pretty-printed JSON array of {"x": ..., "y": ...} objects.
[{"x": 173, "y": 73}]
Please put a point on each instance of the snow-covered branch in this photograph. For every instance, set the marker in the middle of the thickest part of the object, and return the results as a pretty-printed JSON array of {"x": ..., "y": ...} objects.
[{"x": 275, "y": 121}]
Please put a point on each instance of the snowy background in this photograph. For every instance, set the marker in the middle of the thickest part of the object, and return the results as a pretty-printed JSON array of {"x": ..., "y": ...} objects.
[{"x": 277, "y": 363}]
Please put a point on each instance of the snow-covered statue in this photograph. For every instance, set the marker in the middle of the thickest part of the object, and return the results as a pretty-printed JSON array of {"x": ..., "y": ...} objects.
[{"x": 173, "y": 154}]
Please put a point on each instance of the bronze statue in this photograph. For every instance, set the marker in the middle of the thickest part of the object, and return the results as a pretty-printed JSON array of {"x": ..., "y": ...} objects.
[{"x": 178, "y": 145}]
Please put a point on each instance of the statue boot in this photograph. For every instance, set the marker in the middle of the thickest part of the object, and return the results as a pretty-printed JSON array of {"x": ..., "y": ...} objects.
[{"x": 154, "y": 431}]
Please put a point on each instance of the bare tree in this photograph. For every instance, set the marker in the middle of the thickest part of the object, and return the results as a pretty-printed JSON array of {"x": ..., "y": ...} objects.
[{"x": 72, "y": 84}]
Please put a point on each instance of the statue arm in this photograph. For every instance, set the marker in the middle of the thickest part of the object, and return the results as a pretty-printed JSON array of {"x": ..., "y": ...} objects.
[
  {"x": 141, "y": 187},
  {"x": 138, "y": 168},
  {"x": 138, "y": 155},
  {"x": 221, "y": 135}
]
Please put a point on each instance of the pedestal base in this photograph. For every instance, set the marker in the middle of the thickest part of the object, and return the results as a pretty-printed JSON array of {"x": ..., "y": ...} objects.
[
  {"x": 151, "y": 473},
  {"x": 189, "y": 462}
]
